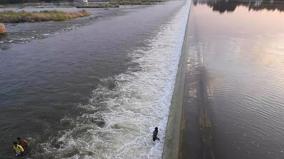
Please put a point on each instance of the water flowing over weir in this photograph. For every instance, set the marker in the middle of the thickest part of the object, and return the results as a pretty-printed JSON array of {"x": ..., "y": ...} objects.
[{"x": 125, "y": 112}]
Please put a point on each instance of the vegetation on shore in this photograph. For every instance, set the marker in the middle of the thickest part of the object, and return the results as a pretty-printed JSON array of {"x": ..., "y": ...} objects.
[{"x": 23, "y": 16}]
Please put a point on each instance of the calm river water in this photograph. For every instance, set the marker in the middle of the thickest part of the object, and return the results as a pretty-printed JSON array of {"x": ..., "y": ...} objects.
[
  {"x": 235, "y": 81},
  {"x": 92, "y": 87}
]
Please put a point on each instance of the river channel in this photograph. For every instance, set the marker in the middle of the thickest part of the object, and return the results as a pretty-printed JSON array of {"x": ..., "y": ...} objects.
[{"x": 93, "y": 87}]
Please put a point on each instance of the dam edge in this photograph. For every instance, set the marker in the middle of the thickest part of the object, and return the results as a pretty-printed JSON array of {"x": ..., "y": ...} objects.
[{"x": 174, "y": 125}]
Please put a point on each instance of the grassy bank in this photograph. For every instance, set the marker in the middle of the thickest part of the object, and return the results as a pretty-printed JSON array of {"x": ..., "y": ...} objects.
[{"x": 23, "y": 16}]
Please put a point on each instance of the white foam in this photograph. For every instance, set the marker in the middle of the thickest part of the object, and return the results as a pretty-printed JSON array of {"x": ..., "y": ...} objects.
[{"x": 139, "y": 102}]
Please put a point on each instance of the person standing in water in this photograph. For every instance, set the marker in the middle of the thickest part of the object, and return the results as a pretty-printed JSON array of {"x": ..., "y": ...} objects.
[
  {"x": 19, "y": 150},
  {"x": 155, "y": 134},
  {"x": 23, "y": 143}
]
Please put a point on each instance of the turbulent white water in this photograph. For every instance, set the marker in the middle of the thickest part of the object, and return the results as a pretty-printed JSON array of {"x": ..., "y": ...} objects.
[{"x": 125, "y": 114}]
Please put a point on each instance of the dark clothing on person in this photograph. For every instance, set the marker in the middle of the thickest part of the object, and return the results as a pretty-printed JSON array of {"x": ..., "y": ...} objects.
[{"x": 155, "y": 134}]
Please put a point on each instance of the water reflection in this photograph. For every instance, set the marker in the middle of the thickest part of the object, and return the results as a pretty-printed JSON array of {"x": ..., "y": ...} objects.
[
  {"x": 244, "y": 60},
  {"x": 231, "y": 5}
]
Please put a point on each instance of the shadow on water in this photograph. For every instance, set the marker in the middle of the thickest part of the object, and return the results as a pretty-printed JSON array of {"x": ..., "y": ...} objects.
[
  {"x": 223, "y": 6},
  {"x": 205, "y": 124},
  {"x": 197, "y": 143},
  {"x": 197, "y": 128},
  {"x": 204, "y": 120}
]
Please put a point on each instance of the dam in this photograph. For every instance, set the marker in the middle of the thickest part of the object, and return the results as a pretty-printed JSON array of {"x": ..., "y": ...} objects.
[{"x": 209, "y": 74}]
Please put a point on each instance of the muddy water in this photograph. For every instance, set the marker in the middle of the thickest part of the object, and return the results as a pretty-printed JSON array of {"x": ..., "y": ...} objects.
[{"x": 234, "y": 104}]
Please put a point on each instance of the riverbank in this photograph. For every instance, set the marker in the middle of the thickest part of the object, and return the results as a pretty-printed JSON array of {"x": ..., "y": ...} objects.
[{"x": 41, "y": 16}]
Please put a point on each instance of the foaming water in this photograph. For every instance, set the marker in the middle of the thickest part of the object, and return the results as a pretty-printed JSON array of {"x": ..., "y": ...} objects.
[{"x": 126, "y": 108}]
